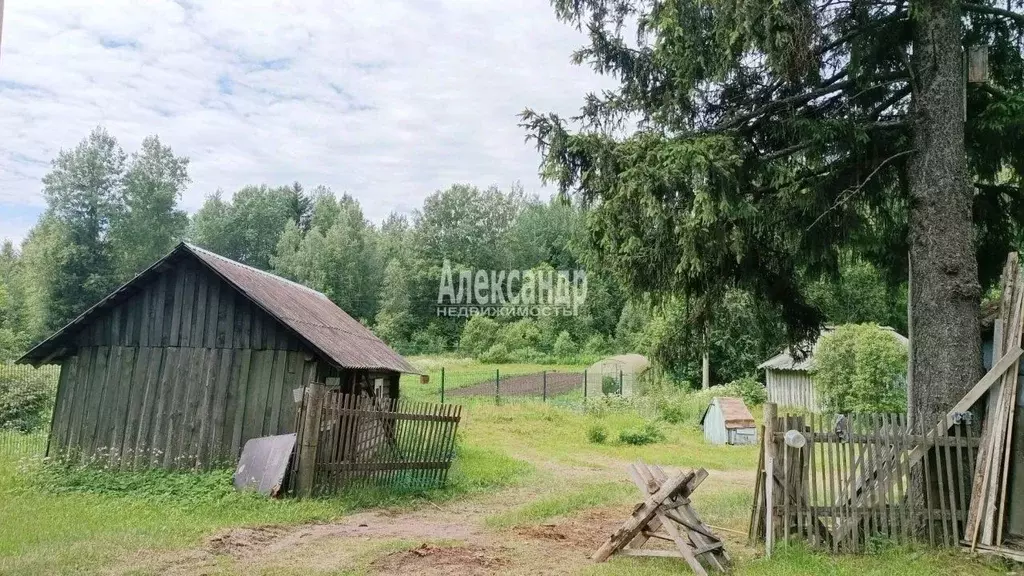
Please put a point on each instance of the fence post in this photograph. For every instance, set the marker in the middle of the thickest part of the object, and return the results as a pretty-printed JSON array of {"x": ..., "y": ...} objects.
[
  {"x": 442, "y": 384},
  {"x": 497, "y": 386},
  {"x": 584, "y": 386},
  {"x": 544, "y": 376},
  {"x": 770, "y": 412},
  {"x": 620, "y": 382},
  {"x": 310, "y": 437}
]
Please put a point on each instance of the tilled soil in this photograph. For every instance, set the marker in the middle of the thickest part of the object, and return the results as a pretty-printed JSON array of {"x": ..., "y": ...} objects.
[{"x": 524, "y": 385}]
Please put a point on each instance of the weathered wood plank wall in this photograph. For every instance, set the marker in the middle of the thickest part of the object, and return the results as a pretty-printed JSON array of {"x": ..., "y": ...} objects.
[
  {"x": 792, "y": 388},
  {"x": 188, "y": 306},
  {"x": 179, "y": 374}
]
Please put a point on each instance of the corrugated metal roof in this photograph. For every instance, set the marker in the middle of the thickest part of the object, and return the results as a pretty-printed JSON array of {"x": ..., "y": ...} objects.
[
  {"x": 734, "y": 412},
  {"x": 785, "y": 361},
  {"x": 312, "y": 316}
]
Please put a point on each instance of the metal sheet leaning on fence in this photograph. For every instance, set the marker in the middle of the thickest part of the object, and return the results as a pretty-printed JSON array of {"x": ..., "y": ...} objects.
[{"x": 666, "y": 514}]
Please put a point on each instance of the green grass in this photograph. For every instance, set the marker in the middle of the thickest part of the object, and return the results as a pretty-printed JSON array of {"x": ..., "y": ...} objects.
[
  {"x": 797, "y": 560},
  {"x": 86, "y": 519},
  {"x": 528, "y": 463},
  {"x": 561, "y": 504}
]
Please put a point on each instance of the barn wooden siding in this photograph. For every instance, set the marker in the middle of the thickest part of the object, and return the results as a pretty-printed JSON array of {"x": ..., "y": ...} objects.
[
  {"x": 180, "y": 374},
  {"x": 791, "y": 388}
]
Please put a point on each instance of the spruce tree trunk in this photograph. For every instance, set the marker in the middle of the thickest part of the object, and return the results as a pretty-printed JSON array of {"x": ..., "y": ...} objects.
[{"x": 945, "y": 289}]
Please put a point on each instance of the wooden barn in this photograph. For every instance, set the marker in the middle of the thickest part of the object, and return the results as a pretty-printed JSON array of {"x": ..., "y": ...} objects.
[
  {"x": 728, "y": 421},
  {"x": 197, "y": 354},
  {"x": 790, "y": 381}
]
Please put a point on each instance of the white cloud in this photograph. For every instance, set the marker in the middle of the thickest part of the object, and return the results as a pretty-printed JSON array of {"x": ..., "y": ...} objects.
[{"x": 388, "y": 100}]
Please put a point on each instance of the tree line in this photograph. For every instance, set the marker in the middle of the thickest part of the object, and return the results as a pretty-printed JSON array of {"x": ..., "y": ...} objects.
[{"x": 110, "y": 214}]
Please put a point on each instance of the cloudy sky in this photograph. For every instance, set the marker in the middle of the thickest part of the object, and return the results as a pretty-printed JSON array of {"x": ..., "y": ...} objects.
[{"x": 388, "y": 100}]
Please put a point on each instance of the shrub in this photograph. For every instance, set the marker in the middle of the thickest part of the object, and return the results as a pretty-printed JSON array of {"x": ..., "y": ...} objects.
[
  {"x": 497, "y": 354},
  {"x": 751, "y": 391},
  {"x": 478, "y": 336},
  {"x": 861, "y": 368},
  {"x": 649, "y": 433},
  {"x": 596, "y": 345},
  {"x": 609, "y": 385},
  {"x": 521, "y": 334},
  {"x": 26, "y": 399},
  {"x": 564, "y": 346},
  {"x": 596, "y": 434}
]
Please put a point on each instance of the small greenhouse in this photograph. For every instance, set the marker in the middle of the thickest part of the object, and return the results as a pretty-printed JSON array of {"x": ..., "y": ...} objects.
[{"x": 616, "y": 374}]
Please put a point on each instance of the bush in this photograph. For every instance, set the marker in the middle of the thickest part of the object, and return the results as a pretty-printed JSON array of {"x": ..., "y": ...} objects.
[
  {"x": 609, "y": 385},
  {"x": 596, "y": 434},
  {"x": 26, "y": 398},
  {"x": 861, "y": 368},
  {"x": 751, "y": 391},
  {"x": 478, "y": 336},
  {"x": 564, "y": 347},
  {"x": 521, "y": 334},
  {"x": 497, "y": 354},
  {"x": 649, "y": 433},
  {"x": 596, "y": 345}
]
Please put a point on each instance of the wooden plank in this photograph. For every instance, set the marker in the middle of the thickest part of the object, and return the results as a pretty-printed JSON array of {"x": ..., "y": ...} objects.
[
  {"x": 199, "y": 317},
  {"x": 176, "y": 311},
  {"x": 683, "y": 546},
  {"x": 812, "y": 467},
  {"x": 143, "y": 449},
  {"x": 292, "y": 380},
  {"x": 272, "y": 413},
  {"x": 212, "y": 313},
  {"x": 258, "y": 390},
  {"x": 133, "y": 407},
  {"x": 188, "y": 306},
  {"x": 201, "y": 421},
  {"x": 961, "y": 471},
  {"x": 226, "y": 322},
  {"x": 173, "y": 396},
  {"x": 191, "y": 386},
  {"x": 950, "y": 492},
  {"x": 145, "y": 314},
  {"x": 244, "y": 338},
  {"x": 156, "y": 324},
  {"x": 257, "y": 337},
  {"x": 66, "y": 381},
  {"x": 894, "y": 423},
  {"x": 92, "y": 429},
  {"x": 218, "y": 417},
  {"x": 239, "y": 401},
  {"x": 83, "y": 392},
  {"x": 119, "y": 412},
  {"x": 111, "y": 336},
  {"x": 163, "y": 396},
  {"x": 641, "y": 516}
]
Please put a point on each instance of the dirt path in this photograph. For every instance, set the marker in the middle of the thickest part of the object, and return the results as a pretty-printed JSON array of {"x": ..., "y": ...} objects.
[{"x": 452, "y": 539}]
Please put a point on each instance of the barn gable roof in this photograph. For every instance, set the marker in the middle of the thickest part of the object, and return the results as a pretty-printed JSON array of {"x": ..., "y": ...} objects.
[
  {"x": 784, "y": 360},
  {"x": 312, "y": 316},
  {"x": 734, "y": 412}
]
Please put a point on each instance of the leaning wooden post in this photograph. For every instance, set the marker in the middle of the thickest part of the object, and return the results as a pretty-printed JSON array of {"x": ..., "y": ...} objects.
[
  {"x": 770, "y": 413},
  {"x": 310, "y": 437}
]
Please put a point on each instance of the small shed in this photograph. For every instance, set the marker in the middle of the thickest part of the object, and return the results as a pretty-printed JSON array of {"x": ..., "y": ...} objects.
[
  {"x": 728, "y": 421},
  {"x": 616, "y": 374},
  {"x": 197, "y": 354},
  {"x": 790, "y": 381}
]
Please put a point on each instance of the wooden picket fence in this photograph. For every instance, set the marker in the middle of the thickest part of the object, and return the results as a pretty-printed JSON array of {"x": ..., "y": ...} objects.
[
  {"x": 851, "y": 481},
  {"x": 365, "y": 440}
]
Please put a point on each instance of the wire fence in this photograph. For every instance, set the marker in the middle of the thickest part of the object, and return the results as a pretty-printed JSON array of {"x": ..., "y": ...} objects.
[
  {"x": 580, "y": 391},
  {"x": 27, "y": 396}
]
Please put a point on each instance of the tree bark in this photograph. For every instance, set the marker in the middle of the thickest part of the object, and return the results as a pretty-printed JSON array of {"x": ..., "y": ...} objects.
[{"x": 944, "y": 268}]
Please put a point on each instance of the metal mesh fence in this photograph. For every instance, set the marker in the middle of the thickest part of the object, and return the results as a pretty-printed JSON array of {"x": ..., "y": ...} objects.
[{"x": 27, "y": 396}]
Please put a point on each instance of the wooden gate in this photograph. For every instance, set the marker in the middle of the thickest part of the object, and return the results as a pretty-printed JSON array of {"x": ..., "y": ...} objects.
[
  {"x": 366, "y": 440},
  {"x": 840, "y": 482}
]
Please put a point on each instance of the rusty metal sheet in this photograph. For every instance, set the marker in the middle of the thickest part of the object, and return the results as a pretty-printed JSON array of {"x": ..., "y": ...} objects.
[
  {"x": 264, "y": 463},
  {"x": 310, "y": 314}
]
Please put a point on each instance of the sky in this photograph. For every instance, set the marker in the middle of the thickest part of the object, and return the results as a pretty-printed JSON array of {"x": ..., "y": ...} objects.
[{"x": 388, "y": 100}]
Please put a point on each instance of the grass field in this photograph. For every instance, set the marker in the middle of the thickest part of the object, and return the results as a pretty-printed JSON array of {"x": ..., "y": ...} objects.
[{"x": 529, "y": 494}]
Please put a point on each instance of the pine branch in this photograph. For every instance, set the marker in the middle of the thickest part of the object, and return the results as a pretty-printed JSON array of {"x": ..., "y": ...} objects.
[
  {"x": 849, "y": 193},
  {"x": 993, "y": 11}
]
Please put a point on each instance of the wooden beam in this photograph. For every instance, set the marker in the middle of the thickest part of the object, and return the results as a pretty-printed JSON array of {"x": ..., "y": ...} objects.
[{"x": 641, "y": 517}]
